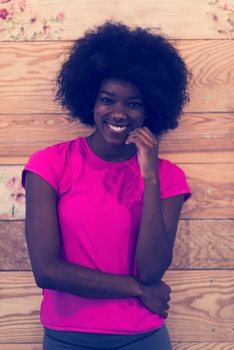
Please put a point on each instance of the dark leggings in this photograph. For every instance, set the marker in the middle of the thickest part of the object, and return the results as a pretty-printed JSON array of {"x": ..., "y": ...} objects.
[{"x": 158, "y": 340}]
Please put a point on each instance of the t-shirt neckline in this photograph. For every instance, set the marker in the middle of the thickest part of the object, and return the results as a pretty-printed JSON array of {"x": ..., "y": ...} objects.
[{"x": 100, "y": 161}]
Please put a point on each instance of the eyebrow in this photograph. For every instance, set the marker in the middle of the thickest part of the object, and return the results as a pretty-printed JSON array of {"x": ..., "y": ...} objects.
[{"x": 113, "y": 94}]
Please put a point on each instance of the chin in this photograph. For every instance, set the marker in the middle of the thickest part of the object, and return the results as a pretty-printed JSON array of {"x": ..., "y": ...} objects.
[{"x": 116, "y": 141}]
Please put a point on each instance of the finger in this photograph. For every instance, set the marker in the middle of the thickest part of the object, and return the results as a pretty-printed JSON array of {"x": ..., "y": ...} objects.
[
  {"x": 140, "y": 140},
  {"x": 146, "y": 133},
  {"x": 167, "y": 287},
  {"x": 163, "y": 314}
]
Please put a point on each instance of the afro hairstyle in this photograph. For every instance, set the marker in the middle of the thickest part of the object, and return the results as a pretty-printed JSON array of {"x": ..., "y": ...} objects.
[{"x": 113, "y": 50}]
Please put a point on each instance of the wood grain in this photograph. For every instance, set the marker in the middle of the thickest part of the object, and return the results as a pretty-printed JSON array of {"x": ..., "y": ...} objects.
[
  {"x": 183, "y": 19},
  {"x": 204, "y": 244},
  {"x": 175, "y": 346},
  {"x": 12, "y": 199},
  {"x": 200, "y": 138},
  {"x": 28, "y": 72},
  {"x": 21, "y": 135},
  {"x": 201, "y": 307},
  {"x": 14, "y": 252},
  {"x": 211, "y": 186},
  {"x": 32, "y": 50},
  {"x": 201, "y": 346},
  {"x": 200, "y": 244},
  {"x": 23, "y": 346},
  {"x": 19, "y": 304}
]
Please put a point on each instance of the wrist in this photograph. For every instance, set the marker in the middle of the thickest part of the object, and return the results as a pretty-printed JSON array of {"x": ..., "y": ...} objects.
[
  {"x": 151, "y": 179},
  {"x": 140, "y": 288}
]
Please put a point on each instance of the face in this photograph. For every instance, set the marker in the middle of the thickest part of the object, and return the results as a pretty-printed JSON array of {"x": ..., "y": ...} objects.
[{"x": 118, "y": 110}]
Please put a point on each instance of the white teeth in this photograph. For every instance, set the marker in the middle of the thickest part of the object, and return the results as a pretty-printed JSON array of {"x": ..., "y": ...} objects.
[{"x": 117, "y": 128}]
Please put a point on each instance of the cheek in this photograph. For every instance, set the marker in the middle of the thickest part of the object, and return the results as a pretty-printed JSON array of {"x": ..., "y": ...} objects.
[
  {"x": 139, "y": 120},
  {"x": 98, "y": 112}
]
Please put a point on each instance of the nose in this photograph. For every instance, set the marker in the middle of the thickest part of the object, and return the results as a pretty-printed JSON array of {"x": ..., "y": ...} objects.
[{"x": 119, "y": 111}]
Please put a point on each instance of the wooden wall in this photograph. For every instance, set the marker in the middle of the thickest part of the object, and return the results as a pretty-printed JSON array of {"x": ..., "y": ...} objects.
[{"x": 33, "y": 38}]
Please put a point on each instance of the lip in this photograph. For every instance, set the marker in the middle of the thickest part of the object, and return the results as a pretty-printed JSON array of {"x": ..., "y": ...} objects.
[
  {"x": 116, "y": 123},
  {"x": 124, "y": 132}
]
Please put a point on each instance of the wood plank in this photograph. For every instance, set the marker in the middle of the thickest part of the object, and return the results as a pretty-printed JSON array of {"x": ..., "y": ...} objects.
[
  {"x": 22, "y": 346},
  {"x": 12, "y": 200},
  {"x": 200, "y": 244},
  {"x": 211, "y": 185},
  {"x": 184, "y": 19},
  {"x": 200, "y": 138},
  {"x": 19, "y": 304},
  {"x": 201, "y": 346},
  {"x": 22, "y": 135},
  {"x": 204, "y": 244},
  {"x": 212, "y": 74},
  {"x": 201, "y": 307},
  {"x": 200, "y": 19},
  {"x": 28, "y": 72},
  {"x": 14, "y": 252},
  {"x": 175, "y": 346}
]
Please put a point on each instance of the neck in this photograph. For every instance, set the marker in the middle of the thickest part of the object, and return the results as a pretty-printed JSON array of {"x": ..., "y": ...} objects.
[{"x": 109, "y": 152}]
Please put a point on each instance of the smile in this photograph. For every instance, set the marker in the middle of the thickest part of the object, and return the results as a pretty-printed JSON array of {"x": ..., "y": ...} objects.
[{"x": 117, "y": 128}]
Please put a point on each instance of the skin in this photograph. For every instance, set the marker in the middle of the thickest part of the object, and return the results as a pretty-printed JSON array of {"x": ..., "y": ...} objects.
[
  {"x": 118, "y": 102},
  {"x": 121, "y": 102}
]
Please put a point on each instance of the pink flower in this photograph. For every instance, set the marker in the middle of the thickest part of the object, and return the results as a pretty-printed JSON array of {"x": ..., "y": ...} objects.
[
  {"x": 228, "y": 7},
  {"x": 14, "y": 184},
  {"x": 46, "y": 28},
  {"x": 20, "y": 198},
  {"x": 22, "y": 5},
  {"x": 4, "y": 13},
  {"x": 215, "y": 18},
  {"x": 33, "y": 19},
  {"x": 60, "y": 16}
]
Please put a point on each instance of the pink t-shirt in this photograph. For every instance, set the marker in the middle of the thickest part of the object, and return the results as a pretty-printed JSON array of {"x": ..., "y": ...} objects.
[{"x": 99, "y": 209}]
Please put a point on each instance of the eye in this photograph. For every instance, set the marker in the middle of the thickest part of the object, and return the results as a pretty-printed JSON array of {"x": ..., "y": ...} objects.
[
  {"x": 106, "y": 100},
  {"x": 135, "y": 104}
]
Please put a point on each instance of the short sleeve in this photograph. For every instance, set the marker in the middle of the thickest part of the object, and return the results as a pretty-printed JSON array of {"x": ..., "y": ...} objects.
[
  {"x": 172, "y": 180},
  {"x": 45, "y": 164}
]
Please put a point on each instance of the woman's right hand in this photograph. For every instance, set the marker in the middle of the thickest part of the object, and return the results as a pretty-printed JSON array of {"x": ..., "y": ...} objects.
[{"x": 156, "y": 297}]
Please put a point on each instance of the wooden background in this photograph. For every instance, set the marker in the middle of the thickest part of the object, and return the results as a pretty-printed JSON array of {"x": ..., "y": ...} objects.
[{"x": 34, "y": 37}]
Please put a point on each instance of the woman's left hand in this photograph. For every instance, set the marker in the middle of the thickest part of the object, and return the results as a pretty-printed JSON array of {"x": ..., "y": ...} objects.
[{"x": 147, "y": 149}]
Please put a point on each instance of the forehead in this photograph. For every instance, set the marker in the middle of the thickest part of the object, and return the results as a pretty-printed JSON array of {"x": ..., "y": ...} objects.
[{"x": 120, "y": 86}]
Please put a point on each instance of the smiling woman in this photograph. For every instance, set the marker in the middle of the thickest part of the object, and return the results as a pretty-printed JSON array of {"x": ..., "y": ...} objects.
[
  {"x": 102, "y": 211},
  {"x": 146, "y": 60},
  {"x": 118, "y": 110}
]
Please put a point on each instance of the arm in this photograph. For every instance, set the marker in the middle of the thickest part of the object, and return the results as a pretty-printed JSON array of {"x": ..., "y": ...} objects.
[
  {"x": 43, "y": 239},
  {"x": 51, "y": 272},
  {"x": 159, "y": 217}
]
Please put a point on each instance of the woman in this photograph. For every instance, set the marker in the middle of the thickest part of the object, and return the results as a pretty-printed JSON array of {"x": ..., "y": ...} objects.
[{"x": 102, "y": 211}]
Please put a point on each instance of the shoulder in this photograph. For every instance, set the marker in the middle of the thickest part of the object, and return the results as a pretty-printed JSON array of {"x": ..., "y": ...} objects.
[
  {"x": 173, "y": 180},
  {"x": 167, "y": 168},
  {"x": 55, "y": 150},
  {"x": 50, "y": 162}
]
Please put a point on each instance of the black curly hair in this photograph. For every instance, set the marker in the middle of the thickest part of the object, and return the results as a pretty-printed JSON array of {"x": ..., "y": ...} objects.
[{"x": 114, "y": 50}]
